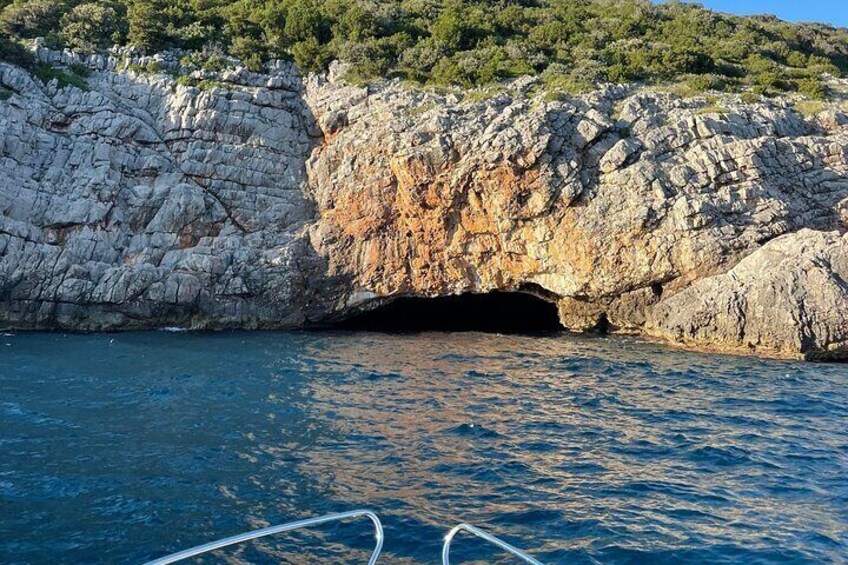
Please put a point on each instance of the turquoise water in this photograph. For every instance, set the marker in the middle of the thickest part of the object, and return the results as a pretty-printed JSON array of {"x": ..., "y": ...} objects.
[{"x": 120, "y": 448}]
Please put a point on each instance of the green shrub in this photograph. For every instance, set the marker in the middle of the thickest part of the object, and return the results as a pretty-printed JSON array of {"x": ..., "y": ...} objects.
[
  {"x": 755, "y": 94},
  {"x": 706, "y": 83},
  {"x": 810, "y": 108},
  {"x": 80, "y": 70},
  {"x": 147, "y": 24},
  {"x": 311, "y": 56},
  {"x": 92, "y": 26},
  {"x": 713, "y": 109},
  {"x": 818, "y": 64},
  {"x": 374, "y": 57},
  {"x": 558, "y": 81},
  {"x": 46, "y": 73},
  {"x": 767, "y": 80},
  {"x": 13, "y": 52},
  {"x": 209, "y": 59},
  {"x": 468, "y": 68},
  {"x": 355, "y": 23},
  {"x": 304, "y": 21},
  {"x": 149, "y": 68},
  {"x": 33, "y": 18},
  {"x": 797, "y": 60},
  {"x": 812, "y": 88},
  {"x": 201, "y": 84},
  {"x": 249, "y": 50},
  {"x": 185, "y": 80},
  {"x": 422, "y": 56},
  {"x": 209, "y": 84},
  {"x": 457, "y": 42},
  {"x": 5, "y": 94},
  {"x": 454, "y": 28}
]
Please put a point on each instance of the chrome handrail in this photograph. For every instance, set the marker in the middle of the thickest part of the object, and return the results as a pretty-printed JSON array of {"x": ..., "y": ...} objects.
[
  {"x": 247, "y": 536},
  {"x": 489, "y": 538}
]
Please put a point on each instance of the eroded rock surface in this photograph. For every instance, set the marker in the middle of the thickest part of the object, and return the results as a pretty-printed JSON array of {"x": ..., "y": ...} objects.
[
  {"x": 274, "y": 203},
  {"x": 145, "y": 203},
  {"x": 786, "y": 299}
]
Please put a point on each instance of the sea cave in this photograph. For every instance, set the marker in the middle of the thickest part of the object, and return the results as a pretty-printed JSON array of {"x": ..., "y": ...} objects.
[{"x": 493, "y": 312}]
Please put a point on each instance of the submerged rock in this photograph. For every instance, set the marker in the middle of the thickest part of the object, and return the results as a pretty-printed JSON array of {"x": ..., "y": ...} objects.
[{"x": 270, "y": 202}]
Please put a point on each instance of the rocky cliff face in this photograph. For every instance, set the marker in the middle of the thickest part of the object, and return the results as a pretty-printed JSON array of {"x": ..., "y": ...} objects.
[
  {"x": 143, "y": 203},
  {"x": 275, "y": 203}
]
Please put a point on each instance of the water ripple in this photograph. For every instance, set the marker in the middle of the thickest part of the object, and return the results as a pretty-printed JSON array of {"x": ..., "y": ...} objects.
[{"x": 116, "y": 449}]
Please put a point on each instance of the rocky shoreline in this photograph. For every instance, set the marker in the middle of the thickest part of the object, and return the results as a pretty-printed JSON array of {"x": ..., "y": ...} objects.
[{"x": 272, "y": 201}]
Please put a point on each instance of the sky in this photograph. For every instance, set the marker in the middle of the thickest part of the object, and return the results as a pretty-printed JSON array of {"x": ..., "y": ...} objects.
[{"x": 828, "y": 11}]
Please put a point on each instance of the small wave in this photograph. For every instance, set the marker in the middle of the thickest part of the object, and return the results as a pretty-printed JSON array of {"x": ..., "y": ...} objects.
[
  {"x": 532, "y": 516},
  {"x": 474, "y": 430},
  {"x": 720, "y": 456},
  {"x": 653, "y": 465}
]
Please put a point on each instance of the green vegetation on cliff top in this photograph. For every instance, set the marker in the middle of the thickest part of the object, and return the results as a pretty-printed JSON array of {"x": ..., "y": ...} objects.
[{"x": 572, "y": 44}]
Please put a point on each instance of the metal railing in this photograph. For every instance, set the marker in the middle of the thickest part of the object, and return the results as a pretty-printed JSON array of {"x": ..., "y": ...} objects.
[
  {"x": 485, "y": 536},
  {"x": 270, "y": 531},
  {"x": 378, "y": 529}
]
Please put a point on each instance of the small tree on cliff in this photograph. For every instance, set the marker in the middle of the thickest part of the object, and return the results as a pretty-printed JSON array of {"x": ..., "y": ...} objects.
[
  {"x": 147, "y": 24},
  {"x": 36, "y": 18},
  {"x": 93, "y": 25}
]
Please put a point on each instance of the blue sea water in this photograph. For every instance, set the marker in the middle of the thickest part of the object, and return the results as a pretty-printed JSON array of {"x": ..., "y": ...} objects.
[{"x": 120, "y": 448}]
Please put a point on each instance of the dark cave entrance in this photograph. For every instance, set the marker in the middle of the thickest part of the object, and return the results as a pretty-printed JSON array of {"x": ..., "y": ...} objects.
[{"x": 494, "y": 312}]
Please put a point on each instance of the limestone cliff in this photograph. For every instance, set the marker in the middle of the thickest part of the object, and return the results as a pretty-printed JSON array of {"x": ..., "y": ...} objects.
[{"x": 281, "y": 203}]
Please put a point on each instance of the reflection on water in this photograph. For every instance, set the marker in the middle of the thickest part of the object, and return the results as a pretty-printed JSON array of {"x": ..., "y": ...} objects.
[{"x": 118, "y": 448}]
